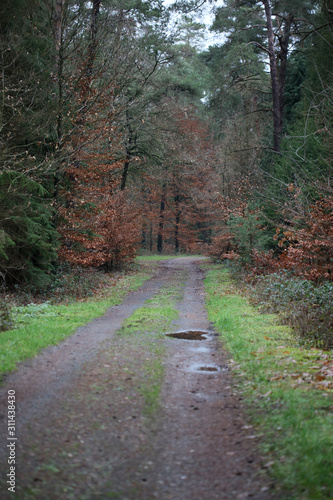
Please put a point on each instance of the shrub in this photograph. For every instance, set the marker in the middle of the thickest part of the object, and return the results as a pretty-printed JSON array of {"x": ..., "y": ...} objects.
[
  {"x": 301, "y": 303},
  {"x": 310, "y": 248},
  {"x": 6, "y": 321}
]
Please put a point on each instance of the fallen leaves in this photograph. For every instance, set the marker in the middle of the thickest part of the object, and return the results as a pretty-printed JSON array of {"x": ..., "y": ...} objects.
[{"x": 322, "y": 379}]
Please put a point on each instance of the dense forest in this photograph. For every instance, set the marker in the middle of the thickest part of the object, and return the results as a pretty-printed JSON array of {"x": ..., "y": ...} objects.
[
  {"x": 123, "y": 132},
  {"x": 133, "y": 132}
]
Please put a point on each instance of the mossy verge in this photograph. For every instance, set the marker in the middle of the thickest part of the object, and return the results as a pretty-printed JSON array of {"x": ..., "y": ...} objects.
[{"x": 288, "y": 391}]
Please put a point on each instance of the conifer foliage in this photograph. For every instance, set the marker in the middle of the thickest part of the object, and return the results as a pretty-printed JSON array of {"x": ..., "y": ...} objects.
[{"x": 28, "y": 239}]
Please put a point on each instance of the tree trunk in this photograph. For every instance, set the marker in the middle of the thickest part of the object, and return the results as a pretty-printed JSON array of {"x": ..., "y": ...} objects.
[
  {"x": 274, "y": 78},
  {"x": 151, "y": 238},
  {"x": 177, "y": 235},
  {"x": 177, "y": 213},
  {"x": 283, "y": 55},
  {"x": 161, "y": 222},
  {"x": 88, "y": 68},
  {"x": 58, "y": 17},
  {"x": 125, "y": 171},
  {"x": 93, "y": 37},
  {"x": 58, "y": 30},
  {"x": 129, "y": 151},
  {"x": 144, "y": 221},
  {"x": 144, "y": 237}
]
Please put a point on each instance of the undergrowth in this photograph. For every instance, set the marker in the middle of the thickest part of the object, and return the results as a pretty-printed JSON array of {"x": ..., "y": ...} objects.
[
  {"x": 288, "y": 390},
  {"x": 71, "y": 284},
  {"x": 6, "y": 319},
  {"x": 307, "y": 307}
]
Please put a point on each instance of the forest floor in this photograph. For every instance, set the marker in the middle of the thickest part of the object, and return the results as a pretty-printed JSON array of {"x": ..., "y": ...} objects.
[{"x": 122, "y": 410}]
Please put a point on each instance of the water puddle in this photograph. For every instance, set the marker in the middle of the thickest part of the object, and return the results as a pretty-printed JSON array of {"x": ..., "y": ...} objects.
[
  {"x": 189, "y": 335},
  {"x": 204, "y": 368},
  {"x": 208, "y": 369},
  {"x": 201, "y": 349}
]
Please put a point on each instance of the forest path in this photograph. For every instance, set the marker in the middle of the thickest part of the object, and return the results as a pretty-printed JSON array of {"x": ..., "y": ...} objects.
[{"x": 87, "y": 422}]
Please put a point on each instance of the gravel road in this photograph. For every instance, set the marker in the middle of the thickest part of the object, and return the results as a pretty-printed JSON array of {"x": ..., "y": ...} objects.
[{"x": 82, "y": 429}]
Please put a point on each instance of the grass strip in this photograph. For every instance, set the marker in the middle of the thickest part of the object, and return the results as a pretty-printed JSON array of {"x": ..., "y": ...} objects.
[
  {"x": 41, "y": 325},
  {"x": 147, "y": 326},
  {"x": 154, "y": 257},
  {"x": 153, "y": 376},
  {"x": 288, "y": 390},
  {"x": 157, "y": 313}
]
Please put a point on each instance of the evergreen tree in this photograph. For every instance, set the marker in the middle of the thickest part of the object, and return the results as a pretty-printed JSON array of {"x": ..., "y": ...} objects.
[
  {"x": 28, "y": 238},
  {"x": 270, "y": 26}
]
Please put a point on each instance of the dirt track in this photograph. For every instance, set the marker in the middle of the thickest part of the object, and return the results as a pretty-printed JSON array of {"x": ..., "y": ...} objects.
[{"x": 81, "y": 425}]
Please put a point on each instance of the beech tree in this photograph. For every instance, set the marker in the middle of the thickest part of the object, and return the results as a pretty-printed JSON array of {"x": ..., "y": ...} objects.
[
  {"x": 97, "y": 224},
  {"x": 176, "y": 186},
  {"x": 308, "y": 248}
]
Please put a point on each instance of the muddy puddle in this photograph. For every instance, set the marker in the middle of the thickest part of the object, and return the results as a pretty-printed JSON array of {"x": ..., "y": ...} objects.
[
  {"x": 189, "y": 335},
  {"x": 205, "y": 368}
]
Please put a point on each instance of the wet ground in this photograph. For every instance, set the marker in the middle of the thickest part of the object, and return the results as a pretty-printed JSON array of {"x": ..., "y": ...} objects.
[{"x": 83, "y": 431}]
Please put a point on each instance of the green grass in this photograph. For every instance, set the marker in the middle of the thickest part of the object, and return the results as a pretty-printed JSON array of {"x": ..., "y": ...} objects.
[
  {"x": 143, "y": 258},
  {"x": 151, "y": 383},
  {"x": 157, "y": 313},
  {"x": 147, "y": 326},
  {"x": 289, "y": 403},
  {"x": 40, "y": 325}
]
